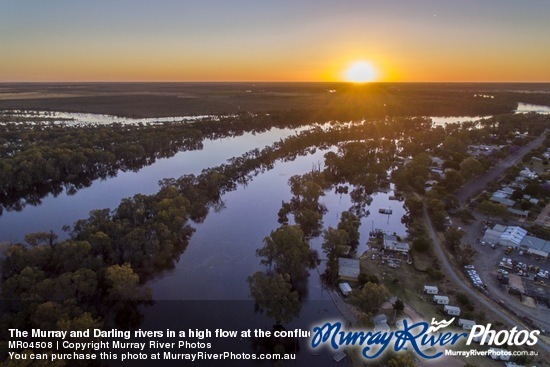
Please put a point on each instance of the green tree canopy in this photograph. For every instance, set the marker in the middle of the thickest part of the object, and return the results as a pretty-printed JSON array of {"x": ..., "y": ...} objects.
[
  {"x": 124, "y": 284},
  {"x": 286, "y": 250},
  {"x": 453, "y": 238},
  {"x": 369, "y": 298},
  {"x": 273, "y": 293},
  {"x": 492, "y": 210},
  {"x": 335, "y": 242},
  {"x": 470, "y": 167},
  {"x": 350, "y": 223}
]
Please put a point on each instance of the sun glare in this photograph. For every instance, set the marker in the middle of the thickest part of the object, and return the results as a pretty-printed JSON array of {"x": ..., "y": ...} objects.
[{"x": 360, "y": 72}]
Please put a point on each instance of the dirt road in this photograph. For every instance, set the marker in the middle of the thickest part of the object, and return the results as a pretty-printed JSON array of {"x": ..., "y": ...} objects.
[{"x": 474, "y": 187}]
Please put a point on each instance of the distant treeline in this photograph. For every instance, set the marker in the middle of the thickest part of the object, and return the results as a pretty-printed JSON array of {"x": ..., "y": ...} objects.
[
  {"x": 325, "y": 100},
  {"x": 41, "y": 158}
]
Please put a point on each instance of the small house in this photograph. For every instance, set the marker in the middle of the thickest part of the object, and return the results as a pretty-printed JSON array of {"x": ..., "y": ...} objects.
[
  {"x": 512, "y": 364},
  {"x": 379, "y": 319},
  {"x": 348, "y": 268},
  {"x": 466, "y": 324},
  {"x": 345, "y": 289},
  {"x": 452, "y": 310},
  {"x": 431, "y": 289},
  {"x": 527, "y": 173},
  {"x": 338, "y": 357},
  {"x": 380, "y": 322},
  {"x": 392, "y": 244},
  {"x": 441, "y": 300}
]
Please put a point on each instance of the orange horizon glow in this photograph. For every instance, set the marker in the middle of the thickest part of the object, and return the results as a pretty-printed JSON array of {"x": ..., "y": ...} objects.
[
  {"x": 118, "y": 66},
  {"x": 125, "y": 41}
]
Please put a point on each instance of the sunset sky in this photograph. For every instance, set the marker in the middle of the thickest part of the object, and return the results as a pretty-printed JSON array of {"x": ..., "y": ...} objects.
[{"x": 285, "y": 40}]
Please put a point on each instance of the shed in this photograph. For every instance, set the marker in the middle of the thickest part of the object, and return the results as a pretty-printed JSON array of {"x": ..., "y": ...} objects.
[
  {"x": 380, "y": 322},
  {"x": 492, "y": 235},
  {"x": 512, "y": 364},
  {"x": 466, "y": 324},
  {"x": 536, "y": 246},
  {"x": 345, "y": 288},
  {"x": 431, "y": 289},
  {"x": 452, "y": 310},
  {"x": 379, "y": 319},
  {"x": 519, "y": 213},
  {"x": 503, "y": 201},
  {"x": 339, "y": 356},
  {"x": 348, "y": 268},
  {"x": 441, "y": 300}
]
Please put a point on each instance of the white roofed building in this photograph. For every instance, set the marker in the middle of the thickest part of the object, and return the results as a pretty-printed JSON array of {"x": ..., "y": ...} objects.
[
  {"x": 505, "y": 236},
  {"x": 512, "y": 236},
  {"x": 392, "y": 244}
]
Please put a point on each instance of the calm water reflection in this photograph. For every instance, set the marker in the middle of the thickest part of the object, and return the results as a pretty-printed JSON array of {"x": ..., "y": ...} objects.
[
  {"x": 55, "y": 212},
  {"x": 526, "y": 107},
  {"x": 221, "y": 253}
]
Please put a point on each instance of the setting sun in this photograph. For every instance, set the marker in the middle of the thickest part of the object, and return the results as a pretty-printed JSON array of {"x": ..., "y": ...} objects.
[{"x": 360, "y": 72}]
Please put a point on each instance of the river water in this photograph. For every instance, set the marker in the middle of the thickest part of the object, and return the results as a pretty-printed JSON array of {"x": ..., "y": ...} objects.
[
  {"x": 227, "y": 237},
  {"x": 57, "y": 211},
  {"x": 210, "y": 276},
  {"x": 526, "y": 107}
]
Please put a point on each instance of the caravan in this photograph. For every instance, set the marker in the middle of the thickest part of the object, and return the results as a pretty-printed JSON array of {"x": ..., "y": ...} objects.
[
  {"x": 345, "y": 289},
  {"x": 441, "y": 300},
  {"x": 452, "y": 310},
  {"x": 430, "y": 289}
]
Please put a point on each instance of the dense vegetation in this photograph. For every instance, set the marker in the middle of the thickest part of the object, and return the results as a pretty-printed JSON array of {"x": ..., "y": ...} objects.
[
  {"x": 317, "y": 101},
  {"x": 95, "y": 277},
  {"x": 37, "y": 158}
]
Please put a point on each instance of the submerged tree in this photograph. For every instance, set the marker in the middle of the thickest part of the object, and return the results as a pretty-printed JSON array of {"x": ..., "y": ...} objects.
[
  {"x": 334, "y": 245},
  {"x": 274, "y": 295},
  {"x": 350, "y": 223},
  {"x": 287, "y": 252}
]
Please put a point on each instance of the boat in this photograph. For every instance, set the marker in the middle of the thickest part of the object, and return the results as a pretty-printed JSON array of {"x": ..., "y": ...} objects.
[{"x": 376, "y": 233}]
